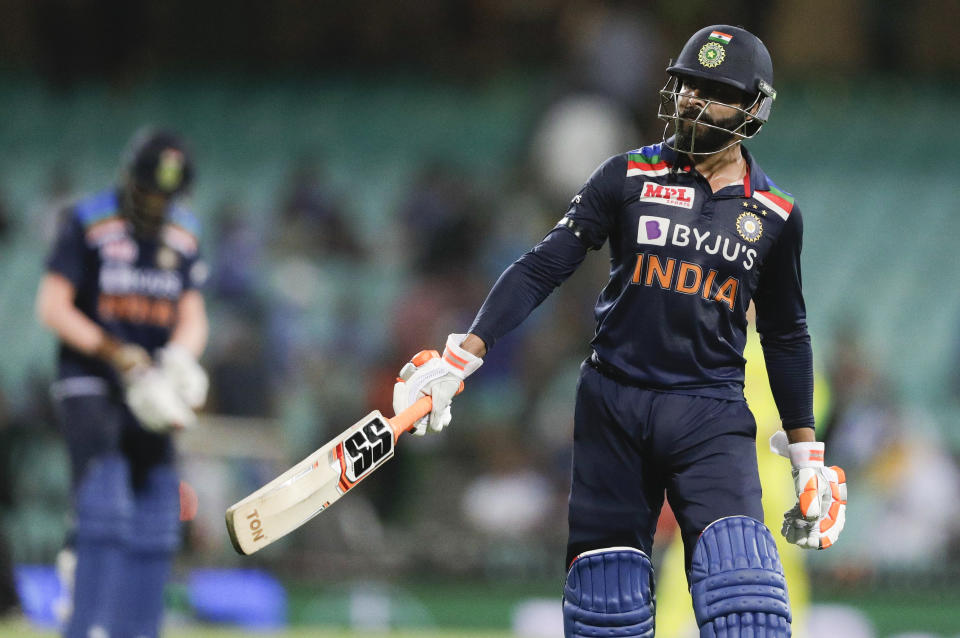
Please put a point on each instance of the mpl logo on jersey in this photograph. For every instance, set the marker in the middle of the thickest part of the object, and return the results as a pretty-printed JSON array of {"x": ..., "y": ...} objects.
[
  {"x": 681, "y": 196},
  {"x": 653, "y": 230}
]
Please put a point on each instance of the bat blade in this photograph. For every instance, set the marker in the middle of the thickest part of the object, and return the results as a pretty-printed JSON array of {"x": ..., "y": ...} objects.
[{"x": 318, "y": 481}]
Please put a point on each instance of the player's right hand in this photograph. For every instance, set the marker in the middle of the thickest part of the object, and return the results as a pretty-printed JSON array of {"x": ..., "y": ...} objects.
[
  {"x": 154, "y": 400},
  {"x": 126, "y": 358},
  {"x": 429, "y": 374}
]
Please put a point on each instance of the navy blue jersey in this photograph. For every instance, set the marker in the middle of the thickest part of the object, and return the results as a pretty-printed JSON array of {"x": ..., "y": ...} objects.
[
  {"x": 127, "y": 285},
  {"x": 684, "y": 264}
]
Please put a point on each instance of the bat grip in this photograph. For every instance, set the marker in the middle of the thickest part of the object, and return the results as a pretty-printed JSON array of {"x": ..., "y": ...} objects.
[{"x": 404, "y": 421}]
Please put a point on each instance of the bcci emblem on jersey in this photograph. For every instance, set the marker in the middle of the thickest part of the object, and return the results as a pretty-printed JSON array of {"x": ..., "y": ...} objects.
[{"x": 749, "y": 226}]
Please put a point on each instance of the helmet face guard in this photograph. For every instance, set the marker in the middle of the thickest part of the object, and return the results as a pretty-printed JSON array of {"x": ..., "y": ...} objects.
[
  {"x": 146, "y": 209},
  {"x": 746, "y": 122}
]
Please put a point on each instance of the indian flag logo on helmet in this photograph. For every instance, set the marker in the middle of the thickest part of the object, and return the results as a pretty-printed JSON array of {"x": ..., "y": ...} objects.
[{"x": 721, "y": 37}]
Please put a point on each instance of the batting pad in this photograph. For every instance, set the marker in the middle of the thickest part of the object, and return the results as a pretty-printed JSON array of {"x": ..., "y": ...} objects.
[
  {"x": 737, "y": 583},
  {"x": 609, "y": 593}
]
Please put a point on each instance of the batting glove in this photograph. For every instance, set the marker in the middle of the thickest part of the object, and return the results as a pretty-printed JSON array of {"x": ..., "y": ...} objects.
[
  {"x": 155, "y": 401},
  {"x": 188, "y": 378},
  {"x": 817, "y": 519},
  {"x": 429, "y": 374},
  {"x": 127, "y": 359}
]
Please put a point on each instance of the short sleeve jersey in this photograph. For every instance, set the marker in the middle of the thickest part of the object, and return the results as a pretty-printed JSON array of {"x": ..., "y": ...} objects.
[
  {"x": 684, "y": 264},
  {"x": 128, "y": 285}
]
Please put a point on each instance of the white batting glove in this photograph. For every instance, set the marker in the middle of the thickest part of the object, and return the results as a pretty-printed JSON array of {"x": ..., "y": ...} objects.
[
  {"x": 429, "y": 374},
  {"x": 187, "y": 376},
  {"x": 155, "y": 401},
  {"x": 817, "y": 519}
]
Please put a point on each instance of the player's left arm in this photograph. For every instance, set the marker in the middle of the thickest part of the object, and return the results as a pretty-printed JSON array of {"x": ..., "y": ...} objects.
[
  {"x": 192, "y": 328},
  {"x": 817, "y": 519}
]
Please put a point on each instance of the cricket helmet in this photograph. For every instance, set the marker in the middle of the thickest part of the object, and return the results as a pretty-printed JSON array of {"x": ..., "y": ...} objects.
[
  {"x": 157, "y": 167},
  {"x": 730, "y": 56},
  {"x": 158, "y": 161}
]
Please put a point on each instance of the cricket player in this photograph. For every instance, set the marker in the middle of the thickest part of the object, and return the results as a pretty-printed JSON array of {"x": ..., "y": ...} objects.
[
  {"x": 696, "y": 230},
  {"x": 121, "y": 293}
]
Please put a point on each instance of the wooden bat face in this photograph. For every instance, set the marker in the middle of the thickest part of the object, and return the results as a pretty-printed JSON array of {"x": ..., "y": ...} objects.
[{"x": 318, "y": 481}]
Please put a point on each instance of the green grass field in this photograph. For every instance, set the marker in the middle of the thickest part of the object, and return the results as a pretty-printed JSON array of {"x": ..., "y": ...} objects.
[{"x": 21, "y": 629}]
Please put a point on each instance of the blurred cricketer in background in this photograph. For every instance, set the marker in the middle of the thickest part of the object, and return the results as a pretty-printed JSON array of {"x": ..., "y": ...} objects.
[
  {"x": 697, "y": 230},
  {"x": 121, "y": 293}
]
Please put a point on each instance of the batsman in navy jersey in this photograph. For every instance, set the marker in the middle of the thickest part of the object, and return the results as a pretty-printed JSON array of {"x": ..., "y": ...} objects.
[
  {"x": 121, "y": 294},
  {"x": 696, "y": 231}
]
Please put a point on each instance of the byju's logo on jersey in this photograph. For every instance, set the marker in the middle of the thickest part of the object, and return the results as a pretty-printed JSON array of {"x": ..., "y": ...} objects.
[
  {"x": 681, "y": 196},
  {"x": 653, "y": 230},
  {"x": 122, "y": 249}
]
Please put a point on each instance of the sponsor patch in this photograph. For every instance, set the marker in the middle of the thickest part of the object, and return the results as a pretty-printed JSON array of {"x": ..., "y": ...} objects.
[
  {"x": 653, "y": 230},
  {"x": 749, "y": 226},
  {"x": 681, "y": 196},
  {"x": 712, "y": 54},
  {"x": 123, "y": 250}
]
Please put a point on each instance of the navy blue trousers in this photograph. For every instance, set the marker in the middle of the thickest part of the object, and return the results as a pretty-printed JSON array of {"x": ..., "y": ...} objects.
[
  {"x": 96, "y": 426},
  {"x": 632, "y": 446},
  {"x": 126, "y": 506}
]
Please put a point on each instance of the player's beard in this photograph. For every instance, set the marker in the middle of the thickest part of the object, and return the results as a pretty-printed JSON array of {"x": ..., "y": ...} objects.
[
  {"x": 694, "y": 137},
  {"x": 147, "y": 218}
]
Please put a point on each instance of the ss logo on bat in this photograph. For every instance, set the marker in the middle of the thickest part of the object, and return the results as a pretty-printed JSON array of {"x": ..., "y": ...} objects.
[{"x": 366, "y": 448}]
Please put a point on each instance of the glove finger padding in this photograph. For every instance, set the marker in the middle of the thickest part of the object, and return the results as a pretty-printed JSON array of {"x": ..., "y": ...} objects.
[
  {"x": 441, "y": 378},
  {"x": 817, "y": 519},
  {"x": 405, "y": 394},
  {"x": 835, "y": 513},
  {"x": 809, "y": 485},
  {"x": 189, "y": 379},
  {"x": 442, "y": 393},
  {"x": 156, "y": 404}
]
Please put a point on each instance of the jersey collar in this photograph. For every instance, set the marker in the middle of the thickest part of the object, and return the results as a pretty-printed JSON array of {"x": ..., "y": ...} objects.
[{"x": 754, "y": 180}]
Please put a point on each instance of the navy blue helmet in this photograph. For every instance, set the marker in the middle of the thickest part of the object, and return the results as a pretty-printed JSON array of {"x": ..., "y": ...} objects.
[
  {"x": 158, "y": 161},
  {"x": 730, "y": 66},
  {"x": 157, "y": 167}
]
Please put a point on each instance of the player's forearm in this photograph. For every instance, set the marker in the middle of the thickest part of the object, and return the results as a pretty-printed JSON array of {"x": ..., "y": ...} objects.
[
  {"x": 76, "y": 330},
  {"x": 789, "y": 360},
  {"x": 192, "y": 328},
  {"x": 801, "y": 435},
  {"x": 474, "y": 345},
  {"x": 526, "y": 283},
  {"x": 55, "y": 310}
]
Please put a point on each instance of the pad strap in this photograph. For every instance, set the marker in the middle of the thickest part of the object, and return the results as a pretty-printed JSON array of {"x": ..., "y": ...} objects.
[
  {"x": 609, "y": 593},
  {"x": 737, "y": 583}
]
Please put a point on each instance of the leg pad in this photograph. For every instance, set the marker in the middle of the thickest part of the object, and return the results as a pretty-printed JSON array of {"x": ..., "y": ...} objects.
[
  {"x": 609, "y": 594},
  {"x": 737, "y": 583}
]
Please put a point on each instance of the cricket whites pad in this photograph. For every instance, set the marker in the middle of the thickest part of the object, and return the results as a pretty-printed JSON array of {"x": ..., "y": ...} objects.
[
  {"x": 737, "y": 583},
  {"x": 609, "y": 593}
]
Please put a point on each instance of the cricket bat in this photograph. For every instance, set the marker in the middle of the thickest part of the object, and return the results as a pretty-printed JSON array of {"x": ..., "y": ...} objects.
[{"x": 318, "y": 481}]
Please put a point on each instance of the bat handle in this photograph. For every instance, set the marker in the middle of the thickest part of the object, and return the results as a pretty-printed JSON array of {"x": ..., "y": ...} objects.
[{"x": 404, "y": 421}]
